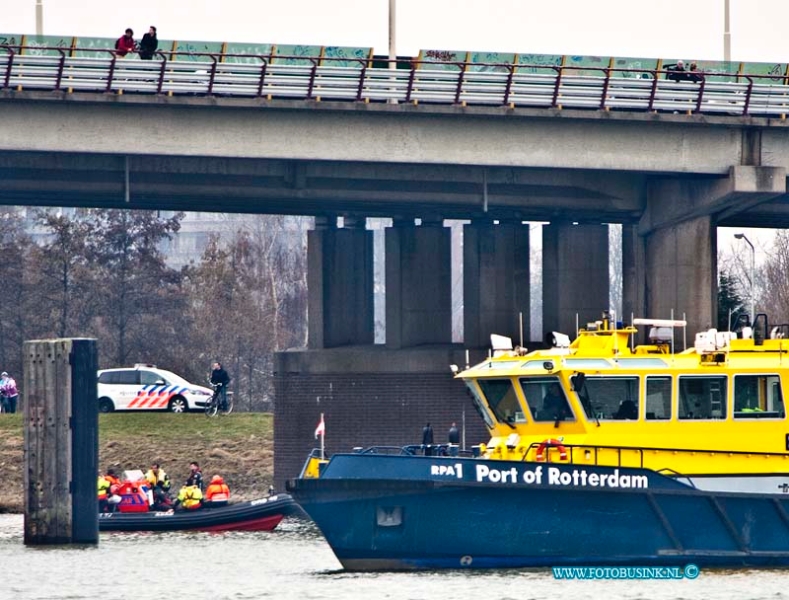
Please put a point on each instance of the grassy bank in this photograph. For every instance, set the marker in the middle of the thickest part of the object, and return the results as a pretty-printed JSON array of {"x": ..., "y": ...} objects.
[{"x": 240, "y": 447}]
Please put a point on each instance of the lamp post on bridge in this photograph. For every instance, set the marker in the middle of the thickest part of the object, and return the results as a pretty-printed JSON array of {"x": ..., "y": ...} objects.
[
  {"x": 726, "y": 33},
  {"x": 39, "y": 17},
  {"x": 741, "y": 236}
]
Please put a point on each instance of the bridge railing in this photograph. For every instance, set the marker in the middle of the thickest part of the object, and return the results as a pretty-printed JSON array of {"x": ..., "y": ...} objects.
[{"x": 493, "y": 84}]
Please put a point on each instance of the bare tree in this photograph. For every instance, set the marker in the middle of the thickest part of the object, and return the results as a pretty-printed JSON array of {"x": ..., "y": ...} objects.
[{"x": 774, "y": 299}]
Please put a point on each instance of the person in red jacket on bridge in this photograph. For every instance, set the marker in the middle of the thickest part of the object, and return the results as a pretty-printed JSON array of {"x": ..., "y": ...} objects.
[{"x": 125, "y": 43}]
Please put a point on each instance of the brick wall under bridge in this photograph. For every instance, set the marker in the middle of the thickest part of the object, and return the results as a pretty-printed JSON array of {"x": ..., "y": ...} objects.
[{"x": 368, "y": 397}]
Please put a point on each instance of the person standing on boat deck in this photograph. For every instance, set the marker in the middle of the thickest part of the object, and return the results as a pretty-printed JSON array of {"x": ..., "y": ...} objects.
[
  {"x": 195, "y": 475},
  {"x": 8, "y": 392},
  {"x": 427, "y": 440},
  {"x": 427, "y": 435},
  {"x": 149, "y": 44},
  {"x": 219, "y": 377},
  {"x": 453, "y": 437}
]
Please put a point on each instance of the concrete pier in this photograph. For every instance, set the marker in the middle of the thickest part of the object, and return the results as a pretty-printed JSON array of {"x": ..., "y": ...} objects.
[
  {"x": 575, "y": 280},
  {"x": 495, "y": 282},
  {"x": 418, "y": 284},
  {"x": 61, "y": 442},
  {"x": 340, "y": 284}
]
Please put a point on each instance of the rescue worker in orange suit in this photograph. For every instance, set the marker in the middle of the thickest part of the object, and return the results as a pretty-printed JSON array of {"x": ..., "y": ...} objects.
[
  {"x": 217, "y": 493},
  {"x": 189, "y": 498}
]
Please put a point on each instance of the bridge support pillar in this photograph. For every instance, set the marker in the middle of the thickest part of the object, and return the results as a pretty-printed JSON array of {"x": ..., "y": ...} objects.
[
  {"x": 681, "y": 273},
  {"x": 61, "y": 427},
  {"x": 340, "y": 284},
  {"x": 575, "y": 278},
  {"x": 495, "y": 282},
  {"x": 418, "y": 284},
  {"x": 633, "y": 274}
]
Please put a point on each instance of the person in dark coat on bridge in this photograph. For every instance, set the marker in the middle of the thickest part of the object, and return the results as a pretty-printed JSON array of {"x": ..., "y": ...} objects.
[
  {"x": 149, "y": 44},
  {"x": 677, "y": 72}
]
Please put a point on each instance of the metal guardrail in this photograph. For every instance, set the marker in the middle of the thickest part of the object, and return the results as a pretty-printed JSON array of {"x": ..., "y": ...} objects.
[{"x": 470, "y": 84}]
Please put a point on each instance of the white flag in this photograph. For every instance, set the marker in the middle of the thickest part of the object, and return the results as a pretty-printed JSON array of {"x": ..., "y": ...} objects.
[{"x": 321, "y": 428}]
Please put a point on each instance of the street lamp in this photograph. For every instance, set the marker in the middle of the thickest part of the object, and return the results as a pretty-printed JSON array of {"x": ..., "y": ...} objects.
[
  {"x": 726, "y": 34},
  {"x": 39, "y": 18},
  {"x": 741, "y": 236}
]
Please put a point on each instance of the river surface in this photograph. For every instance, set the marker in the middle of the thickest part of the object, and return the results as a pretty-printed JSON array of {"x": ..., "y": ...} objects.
[{"x": 295, "y": 562}]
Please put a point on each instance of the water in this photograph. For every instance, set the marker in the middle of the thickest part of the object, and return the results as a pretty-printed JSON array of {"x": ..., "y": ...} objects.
[{"x": 295, "y": 562}]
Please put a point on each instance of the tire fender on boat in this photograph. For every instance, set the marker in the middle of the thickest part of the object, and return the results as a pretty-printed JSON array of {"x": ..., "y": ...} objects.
[{"x": 541, "y": 455}]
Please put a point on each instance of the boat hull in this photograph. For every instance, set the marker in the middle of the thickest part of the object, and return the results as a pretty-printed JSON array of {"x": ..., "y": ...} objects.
[
  {"x": 263, "y": 514},
  {"x": 432, "y": 513}
]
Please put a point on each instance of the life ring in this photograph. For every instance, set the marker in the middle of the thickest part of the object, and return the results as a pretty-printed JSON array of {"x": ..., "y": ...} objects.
[{"x": 550, "y": 443}]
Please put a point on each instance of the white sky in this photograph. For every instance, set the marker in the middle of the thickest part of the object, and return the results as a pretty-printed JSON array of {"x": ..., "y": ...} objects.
[{"x": 691, "y": 29}]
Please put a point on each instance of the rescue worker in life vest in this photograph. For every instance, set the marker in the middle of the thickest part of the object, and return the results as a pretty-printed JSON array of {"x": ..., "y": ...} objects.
[
  {"x": 104, "y": 492},
  {"x": 109, "y": 485},
  {"x": 217, "y": 493},
  {"x": 189, "y": 498},
  {"x": 156, "y": 477}
]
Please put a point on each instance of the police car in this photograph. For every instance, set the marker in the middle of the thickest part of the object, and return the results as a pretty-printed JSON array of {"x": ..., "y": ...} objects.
[{"x": 144, "y": 387}]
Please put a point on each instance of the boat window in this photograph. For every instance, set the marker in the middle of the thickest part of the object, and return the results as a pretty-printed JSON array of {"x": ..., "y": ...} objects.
[
  {"x": 479, "y": 403},
  {"x": 546, "y": 399},
  {"x": 758, "y": 397},
  {"x": 504, "y": 364},
  {"x": 658, "y": 399},
  {"x": 702, "y": 397},
  {"x": 587, "y": 363},
  {"x": 641, "y": 363},
  {"x": 502, "y": 400},
  {"x": 611, "y": 398}
]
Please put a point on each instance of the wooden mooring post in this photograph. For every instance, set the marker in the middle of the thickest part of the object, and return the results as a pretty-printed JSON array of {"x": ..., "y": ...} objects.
[{"x": 61, "y": 427}]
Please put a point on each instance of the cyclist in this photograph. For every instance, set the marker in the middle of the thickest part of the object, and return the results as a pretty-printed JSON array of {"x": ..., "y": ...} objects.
[{"x": 221, "y": 380}]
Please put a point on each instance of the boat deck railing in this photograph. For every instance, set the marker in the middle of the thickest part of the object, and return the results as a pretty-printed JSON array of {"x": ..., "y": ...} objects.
[
  {"x": 348, "y": 79},
  {"x": 592, "y": 454}
]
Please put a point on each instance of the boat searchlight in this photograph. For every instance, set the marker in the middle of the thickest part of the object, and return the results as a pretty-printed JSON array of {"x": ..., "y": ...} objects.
[{"x": 500, "y": 344}]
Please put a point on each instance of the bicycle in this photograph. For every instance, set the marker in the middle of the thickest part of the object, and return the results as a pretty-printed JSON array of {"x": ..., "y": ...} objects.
[{"x": 212, "y": 407}]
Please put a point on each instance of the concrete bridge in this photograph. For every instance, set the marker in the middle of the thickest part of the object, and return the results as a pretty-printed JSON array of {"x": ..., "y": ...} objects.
[{"x": 670, "y": 179}]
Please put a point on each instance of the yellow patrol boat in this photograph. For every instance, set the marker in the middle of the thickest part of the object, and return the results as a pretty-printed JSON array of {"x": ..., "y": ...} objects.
[{"x": 603, "y": 451}]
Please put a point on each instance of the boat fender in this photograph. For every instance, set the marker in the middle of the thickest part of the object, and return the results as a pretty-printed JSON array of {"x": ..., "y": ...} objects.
[{"x": 550, "y": 443}]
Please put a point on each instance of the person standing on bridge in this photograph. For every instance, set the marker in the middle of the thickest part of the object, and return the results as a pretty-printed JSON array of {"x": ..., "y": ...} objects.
[
  {"x": 125, "y": 43},
  {"x": 149, "y": 44},
  {"x": 677, "y": 72}
]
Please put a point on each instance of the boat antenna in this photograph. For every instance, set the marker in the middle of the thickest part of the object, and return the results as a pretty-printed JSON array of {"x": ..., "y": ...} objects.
[
  {"x": 632, "y": 335},
  {"x": 685, "y": 332},
  {"x": 467, "y": 358},
  {"x": 672, "y": 337},
  {"x": 520, "y": 322},
  {"x": 577, "y": 326},
  {"x": 613, "y": 321}
]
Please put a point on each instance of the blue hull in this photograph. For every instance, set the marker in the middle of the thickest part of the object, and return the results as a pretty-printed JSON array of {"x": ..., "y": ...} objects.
[{"x": 405, "y": 512}]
